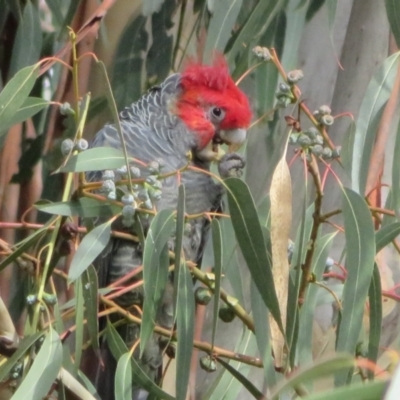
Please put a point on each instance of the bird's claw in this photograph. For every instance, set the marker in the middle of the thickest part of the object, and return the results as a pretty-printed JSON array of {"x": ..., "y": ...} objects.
[{"x": 231, "y": 165}]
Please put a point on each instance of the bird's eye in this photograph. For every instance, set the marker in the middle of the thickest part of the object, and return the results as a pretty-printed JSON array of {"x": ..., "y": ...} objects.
[{"x": 217, "y": 113}]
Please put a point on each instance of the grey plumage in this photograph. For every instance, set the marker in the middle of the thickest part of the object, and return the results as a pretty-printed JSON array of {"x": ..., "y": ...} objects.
[{"x": 151, "y": 131}]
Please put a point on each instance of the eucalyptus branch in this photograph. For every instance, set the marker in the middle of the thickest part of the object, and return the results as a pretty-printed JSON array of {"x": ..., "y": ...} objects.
[
  {"x": 204, "y": 346},
  {"x": 306, "y": 267}
]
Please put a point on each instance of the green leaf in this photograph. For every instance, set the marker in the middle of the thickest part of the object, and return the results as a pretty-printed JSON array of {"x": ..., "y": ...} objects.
[
  {"x": 360, "y": 254},
  {"x": 376, "y": 96},
  {"x": 24, "y": 345},
  {"x": 43, "y": 371},
  {"x": 155, "y": 270},
  {"x": 118, "y": 348},
  {"x": 262, "y": 334},
  {"x": 251, "y": 242},
  {"x": 28, "y": 40},
  {"x": 375, "y": 318},
  {"x": 96, "y": 159},
  {"x": 346, "y": 154},
  {"x": 306, "y": 315},
  {"x": 295, "y": 22},
  {"x": 84, "y": 207},
  {"x": 386, "y": 234},
  {"x": 180, "y": 228},
  {"x": 185, "y": 329},
  {"x": 91, "y": 246},
  {"x": 393, "y": 15},
  {"x": 79, "y": 313},
  {"x": 243, "y": 380},
  {"x": 221, "y": 24},
  {"x": 317, "y": 370},
  {"x": 25, "y": 244},
  {"x": 30, "y": 107},
  {"x": 91, "y": 300},
  {"x": 359, "y": 391},
  {"x": 123, "y": 378},
  {"x": 15, "y": 93},
  {"x": 218, "y": 257},
  {"x": 258, "y": 21}
]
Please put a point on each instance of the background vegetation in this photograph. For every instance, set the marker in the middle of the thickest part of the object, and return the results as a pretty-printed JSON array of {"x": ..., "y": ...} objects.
[{"x": 335, "y": 299}]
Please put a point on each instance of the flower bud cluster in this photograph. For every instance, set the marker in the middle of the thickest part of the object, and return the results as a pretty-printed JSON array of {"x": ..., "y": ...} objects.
[
  {"x": 144, "y": 195},
  {"x": 67, "y": 145},
  {"x": 323, "y": 116},
  {"x": 312, "y": 141},
  {"x": 262, "y": 53}
]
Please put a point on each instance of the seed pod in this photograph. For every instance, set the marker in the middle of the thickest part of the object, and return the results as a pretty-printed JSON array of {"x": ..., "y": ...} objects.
[
  {"x": 324, "y": 110},
  {"x": 108, "y": 186},
  {"x": 226, "y": 313},
  {"x": 283, "y": 88},
  {"x": 108, "y": 174},
  {"x": 153, "y": 167},
  {"x": 203, "y": 296},
  {"x": 327, "y": 120},
  {"x": 135, "y": 172},
  {"x": 295, "y": 76},
  {"x": 82, "y": 145},
  {"x": 208, "y": 364},
  {"x": 312, "y": 133},
  {"x": 317, "y": 150},
  {"x": 304, "y": 141},
  {"x": 327, "y": 153},
  {"x": 262, "y": 53},
  {"x": 66, "y": 109},
  {"x": 128, "y": 211},
  {"x": 127, "y": 199},
  {"x": 67, "y": 146}
]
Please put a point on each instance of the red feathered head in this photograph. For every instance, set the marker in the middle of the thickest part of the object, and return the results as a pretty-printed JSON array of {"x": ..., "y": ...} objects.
[{"x": 210, "y": 103}]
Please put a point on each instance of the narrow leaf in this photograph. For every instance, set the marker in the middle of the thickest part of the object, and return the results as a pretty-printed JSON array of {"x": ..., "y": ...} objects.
[
  {"x": 375, "y": 98},
  {"x": 29, "y": 108},
  {"x": 243, "y": 380},
  {"x": 43, "y": 371},
  {"x": 317, "y": 370},
  {"x": 393, "y": 15},
  {"x": 359, "y": 391},
  {"x": 396, "y": 175},
  {"x": 224, "y": 16},
  {"x": 251, "y": 242},
  {"x": 96, "y": 159},
  {"x": 28, "y": 40},
  {"x": 386, "y": 234},
  {"x": 375, "y": 318},
  {"x": 123, "y": 378},
  {"x": 79, "y": 312},
  {"x": 155, "y": 270},
  {"x": 118, "y": 348},
  {"x": 84, "y": 207},
  {"x": 90, "y": 247},
  {"x": 360, "y": 247},
  {"x": 15, "y": 94},
  {"x": 90, "y": 296},
  {"x": 24, "y": 345},
  {"x": 218, "y": 257},
  {"x": 185, "y": 329}
]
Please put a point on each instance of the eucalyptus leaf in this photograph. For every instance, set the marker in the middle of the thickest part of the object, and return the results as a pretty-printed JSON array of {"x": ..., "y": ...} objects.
[
  {"x": 44, "y": 370},
  {"x": 91, "y": 246},
  {"x": 95, "y": 159},
  {"x": 155, "y": 270},
  {"x": 360, "y": 255},
  {"x": 28, "y": 40},
  {"x": 251, "y": 242}
]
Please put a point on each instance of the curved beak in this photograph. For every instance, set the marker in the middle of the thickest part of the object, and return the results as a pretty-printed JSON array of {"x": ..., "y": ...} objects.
[{"x": 234, "y": 138}]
